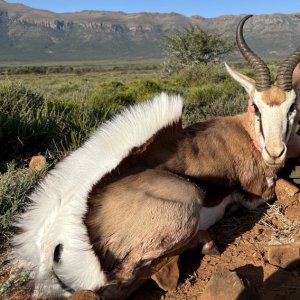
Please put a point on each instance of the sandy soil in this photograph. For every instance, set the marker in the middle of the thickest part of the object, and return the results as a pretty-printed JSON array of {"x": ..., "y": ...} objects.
[{"x": 243, "y": 240}]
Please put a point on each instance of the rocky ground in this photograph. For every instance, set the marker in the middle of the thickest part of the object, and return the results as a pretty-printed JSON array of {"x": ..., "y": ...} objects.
[{"x": 259, "y": 258}]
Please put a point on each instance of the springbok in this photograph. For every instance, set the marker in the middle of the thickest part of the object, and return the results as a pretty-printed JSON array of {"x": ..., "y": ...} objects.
[{"x": 143, "y": 189}]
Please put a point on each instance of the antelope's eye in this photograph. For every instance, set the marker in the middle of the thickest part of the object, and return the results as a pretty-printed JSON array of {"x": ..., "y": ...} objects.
[
  {"x": 257, "y": 112},
  {"x": 292, "y": 108}
]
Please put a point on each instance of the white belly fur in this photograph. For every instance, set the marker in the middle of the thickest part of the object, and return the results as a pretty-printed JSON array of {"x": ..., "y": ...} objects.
[{"x": 210, "y": 215}]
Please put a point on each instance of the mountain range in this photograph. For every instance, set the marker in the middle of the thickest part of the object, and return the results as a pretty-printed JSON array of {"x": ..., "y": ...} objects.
[{"x": 28, "y": 34}]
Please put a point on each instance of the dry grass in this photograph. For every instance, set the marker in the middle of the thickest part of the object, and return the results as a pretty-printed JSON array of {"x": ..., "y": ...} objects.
[
  {"x": 14, "y": 284},
  {"x": 283, "y": 229}
]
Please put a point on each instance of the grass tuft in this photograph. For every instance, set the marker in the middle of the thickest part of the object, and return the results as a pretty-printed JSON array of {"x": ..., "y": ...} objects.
[{"x": 15, "y": 184}]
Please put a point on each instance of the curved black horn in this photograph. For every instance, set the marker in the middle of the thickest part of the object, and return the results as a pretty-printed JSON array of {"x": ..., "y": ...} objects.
[
  {"x": 262, "y": 73},
  {"x": 285, "y": 72}
]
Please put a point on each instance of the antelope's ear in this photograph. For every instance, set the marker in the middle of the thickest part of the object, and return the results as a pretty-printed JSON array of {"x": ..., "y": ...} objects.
[{"x": 247, "y": 83}]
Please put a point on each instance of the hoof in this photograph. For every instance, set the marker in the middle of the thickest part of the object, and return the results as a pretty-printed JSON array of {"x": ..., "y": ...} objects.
[
  {"x": 167, "y": 277},
  {"x": 211, "y": 249}
]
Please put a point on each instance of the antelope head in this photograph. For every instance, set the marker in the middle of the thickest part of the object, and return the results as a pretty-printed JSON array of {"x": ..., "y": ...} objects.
[{"x": 275, "y": 103}]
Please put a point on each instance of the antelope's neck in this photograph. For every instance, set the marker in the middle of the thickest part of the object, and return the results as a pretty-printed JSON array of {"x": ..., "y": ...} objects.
[
  {"x": 248, "y": 122},
  {"x": 221, "y": 152}
]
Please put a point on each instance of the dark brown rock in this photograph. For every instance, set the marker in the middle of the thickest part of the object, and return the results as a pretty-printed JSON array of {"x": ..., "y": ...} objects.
[
  {"x": 226, "y": 285},
  {"x": 285, "y": 256},
  {"x": 293, "y": 213},
  {"x": 278, "y": 223},
  {"x": 286, "y": 192}
]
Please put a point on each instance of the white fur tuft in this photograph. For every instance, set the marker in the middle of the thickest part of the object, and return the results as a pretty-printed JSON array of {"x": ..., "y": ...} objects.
[{"x": 60, "y": 202}]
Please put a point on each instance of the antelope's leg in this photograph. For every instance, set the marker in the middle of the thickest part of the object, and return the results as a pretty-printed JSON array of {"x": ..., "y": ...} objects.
[
  {"x": 167, "y": 276},
  {"x": 208, "y": 245},
  {"x": 138, "y": 221}
]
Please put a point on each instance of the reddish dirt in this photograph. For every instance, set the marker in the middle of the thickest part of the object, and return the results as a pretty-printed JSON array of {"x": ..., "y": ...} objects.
[{"x": 243, "y": 240}]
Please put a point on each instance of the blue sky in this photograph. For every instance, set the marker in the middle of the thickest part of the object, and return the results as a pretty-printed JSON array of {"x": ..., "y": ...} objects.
[{"x": 205, "y": 8}]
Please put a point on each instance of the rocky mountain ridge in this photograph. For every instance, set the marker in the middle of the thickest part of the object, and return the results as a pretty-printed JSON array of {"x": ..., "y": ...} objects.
[{"x": 29, "y": 34}]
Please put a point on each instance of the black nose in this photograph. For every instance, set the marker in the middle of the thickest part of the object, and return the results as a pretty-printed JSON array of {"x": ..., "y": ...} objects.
[
  {"x": 282, "y": 151},
  {"x": 275, "y": 156}
]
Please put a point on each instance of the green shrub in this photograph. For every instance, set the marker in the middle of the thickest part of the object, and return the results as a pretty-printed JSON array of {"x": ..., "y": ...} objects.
[
  {"x": 24, "y": 122},
  {"x": 15, "y": 185},
  {"x": 202, "y": 73},
  {"x": 221, "y": 106},
  {"x": 114, "y": 95},
  {"x": 68, "y": 87},
  {"x": 74, "y": 123},
  {"x": 194, "y": 46},
  {"x": 29, "y": 124},
  {"x": 212, "y": 100},
  {"x": 111, "y": 96},
  {"x": 143, "y": 89}
]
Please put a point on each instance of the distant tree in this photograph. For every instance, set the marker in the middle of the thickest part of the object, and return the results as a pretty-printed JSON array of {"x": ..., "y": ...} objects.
[{"x": 194, "y": 46}]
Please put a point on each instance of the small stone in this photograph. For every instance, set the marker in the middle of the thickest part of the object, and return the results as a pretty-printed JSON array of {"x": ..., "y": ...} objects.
[
  {"x": 293, "y": 213},
  {"x": 297, "y": 237},
  {"x": 284, "y": 256},
  {"x": 258, "y": 230},
  {"x": 226, "y": 285},
  {"x": 84, "y": 295},
  {"x": 37, "y": 162},
  {"x": 278, "y": 223},
  {"x": 286, "y": 192}
]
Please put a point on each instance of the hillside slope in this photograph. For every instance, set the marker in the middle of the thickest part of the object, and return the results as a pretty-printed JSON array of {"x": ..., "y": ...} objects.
[{"x": 29, "y": 34}]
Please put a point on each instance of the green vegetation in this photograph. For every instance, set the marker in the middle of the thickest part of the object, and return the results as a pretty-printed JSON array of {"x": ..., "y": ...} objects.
[
  {"x": 14, "y": 185},
  {"x": 29, "y": 124},
  {"x": 77, "y": 69},
  {"x": 194, "y": 46},
  {"x": 18, "y": 280}
]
